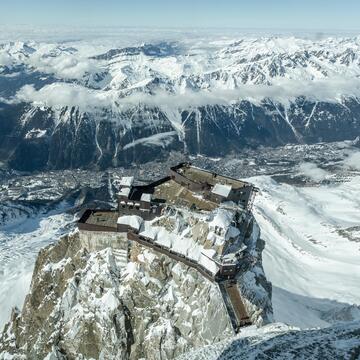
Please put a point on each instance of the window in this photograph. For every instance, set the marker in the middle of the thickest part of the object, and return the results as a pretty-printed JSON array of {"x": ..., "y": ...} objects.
[{"x": 218, "y": 230}]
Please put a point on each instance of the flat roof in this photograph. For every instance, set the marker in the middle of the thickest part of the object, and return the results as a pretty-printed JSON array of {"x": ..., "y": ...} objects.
[
  {"x": 202, "y": 176},
  {"x": 176, "y": 194},
  {"x": 124, "y": 191},
  {"x": 222, "y": 190},
  {"x": 126, "y": 181},
  {"x": 102, "y": 218},
  {"x": 146, "y": 197}
]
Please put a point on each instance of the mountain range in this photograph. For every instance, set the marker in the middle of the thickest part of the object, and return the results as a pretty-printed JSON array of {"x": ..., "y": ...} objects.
[{"x": 69, "y": 105}]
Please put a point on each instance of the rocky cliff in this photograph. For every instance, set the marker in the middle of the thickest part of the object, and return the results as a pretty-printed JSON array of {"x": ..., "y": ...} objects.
[
  {"x": 102, "y": 305},
  {"x": 35, "y": 138}
]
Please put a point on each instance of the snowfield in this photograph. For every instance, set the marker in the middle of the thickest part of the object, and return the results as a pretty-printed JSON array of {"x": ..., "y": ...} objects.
[
  {"x": 277, "y": 341},
  {"x": 312, "y": 253},
  {"x": 20, "y": 242}
]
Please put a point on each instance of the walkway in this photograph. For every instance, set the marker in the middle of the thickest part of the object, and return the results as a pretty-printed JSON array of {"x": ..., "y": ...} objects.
[{"x": 228, "y": 288}]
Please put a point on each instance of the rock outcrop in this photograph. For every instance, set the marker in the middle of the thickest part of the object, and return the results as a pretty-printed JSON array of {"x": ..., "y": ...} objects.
[
  {"x": 279, "y": 341},
  {"x": 103, "y": 304}
]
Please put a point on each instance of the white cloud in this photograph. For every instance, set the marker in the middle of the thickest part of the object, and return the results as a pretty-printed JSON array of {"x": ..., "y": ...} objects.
[
  {"x": 353, "y": 161},
  {"x": 65, "y": 66},
  {"x": 283, "y": 91},
  {"x": 312, "y": 171},
  {"x": 62, "y": 94},
  {"x": 5, "y": 59}
]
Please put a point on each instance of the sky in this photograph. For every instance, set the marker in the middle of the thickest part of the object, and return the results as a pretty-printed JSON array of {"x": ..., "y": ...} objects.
[{"x": 253, "y": 14}]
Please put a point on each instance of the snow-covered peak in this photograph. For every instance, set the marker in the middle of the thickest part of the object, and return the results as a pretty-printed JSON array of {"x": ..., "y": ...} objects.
[{"x": 176, "y": 67}]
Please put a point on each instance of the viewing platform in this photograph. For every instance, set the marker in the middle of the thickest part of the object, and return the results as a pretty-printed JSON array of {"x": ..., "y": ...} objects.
[{"x": 222, "y": 205}]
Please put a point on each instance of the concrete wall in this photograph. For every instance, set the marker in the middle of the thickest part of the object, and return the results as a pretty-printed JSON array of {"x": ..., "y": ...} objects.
[
  {"x": 145, "y": 214},
  {"x": 214, "y": 197},
  {"x": 93, "y": 227},
  {"x": 184, "y": 181},
  {"x": 99, "y": 240},
  {"x": 241, "y": 195}
]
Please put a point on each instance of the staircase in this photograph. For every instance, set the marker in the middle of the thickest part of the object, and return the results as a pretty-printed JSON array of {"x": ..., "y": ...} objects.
[{"x": 120, "y": 257}]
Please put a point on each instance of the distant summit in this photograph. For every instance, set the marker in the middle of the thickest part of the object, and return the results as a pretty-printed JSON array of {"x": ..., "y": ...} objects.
[{"x": 62, "y": 107}]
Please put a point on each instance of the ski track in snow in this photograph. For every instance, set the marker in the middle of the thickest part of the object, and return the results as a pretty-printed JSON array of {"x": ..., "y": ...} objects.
[
  {"x": 20, "y": 243},
  {"x": 314, "y": 269}
]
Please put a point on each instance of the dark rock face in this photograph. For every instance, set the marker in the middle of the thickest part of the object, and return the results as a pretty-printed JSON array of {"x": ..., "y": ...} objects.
[{"x": 41, "y": 138}]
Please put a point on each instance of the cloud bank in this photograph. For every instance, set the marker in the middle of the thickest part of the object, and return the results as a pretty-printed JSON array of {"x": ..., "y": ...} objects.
[
  {"x": 5, "y": 59},
  {"x": 353, "y": 161},
  {"x": 312, "y": 171},
  {"x": 59, "y": 95},
  {"x": 64, "y": 66},
  {"x": 283, "y": 91}
]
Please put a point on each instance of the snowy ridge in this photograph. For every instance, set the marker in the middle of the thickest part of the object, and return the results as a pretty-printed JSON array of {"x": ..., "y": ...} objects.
[
  {"x": 278, "y": 341},
  {"x": 107, "y": 309},
  {"x": 143, "y": 101},
  {"x": 176, "y": 68},
  {"x": 190, "y": 75}
]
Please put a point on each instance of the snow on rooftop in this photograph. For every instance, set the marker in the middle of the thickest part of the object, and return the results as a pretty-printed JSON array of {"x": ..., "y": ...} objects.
[
  {"x": 124, "y": 191},
  {"x": 222, "y": 190},
  {"x": 222, "y": 218},
  {"x": 133, "y": 221},
  {"x": 210, "y": 253},
  {"x": 220, "y": 226},
  {"x": 229, "y": 259},
  {"x": 181, "y": 244},
  {"x": 166, "y": 238},
  {"x": 146, "y": 197},
  {"x": 148, "y": 231},
  {"x": 126, "y": 181},
  {"x": 208, "y": 264},
  {"x": 185, "y": 245}
]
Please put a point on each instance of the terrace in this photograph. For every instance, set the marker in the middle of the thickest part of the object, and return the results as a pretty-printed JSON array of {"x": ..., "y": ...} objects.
[
  {"x": 201, "y": 176},
  {"x": 199, "y": 190},
  {"x": 175, "y": 194},
  {"x": 99, "y": 220}
]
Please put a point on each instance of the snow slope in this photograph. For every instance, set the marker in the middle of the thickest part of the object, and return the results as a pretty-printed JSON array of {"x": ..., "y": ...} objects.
[
  {"x": 20, "y": 242},
  {"x": 198, "y": 73},
  {"x": 277, "y": 341},
  {"x": 312, "y": 253}
]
